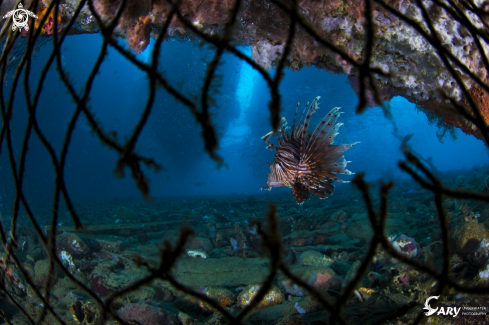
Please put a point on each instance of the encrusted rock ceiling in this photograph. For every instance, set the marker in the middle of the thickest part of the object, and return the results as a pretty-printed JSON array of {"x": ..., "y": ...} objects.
[{"x": 416, "y": 70}]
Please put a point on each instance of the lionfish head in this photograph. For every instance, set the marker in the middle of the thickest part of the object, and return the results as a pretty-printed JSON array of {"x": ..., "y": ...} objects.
[
  {"x": 308, "y": 162},
  {"x": 275, "y": 177}
]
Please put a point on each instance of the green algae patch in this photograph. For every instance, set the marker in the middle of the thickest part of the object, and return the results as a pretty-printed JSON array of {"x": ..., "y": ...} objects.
[
  {"x": 125, "y": 229},
  {"x": 221, "y": 272}
]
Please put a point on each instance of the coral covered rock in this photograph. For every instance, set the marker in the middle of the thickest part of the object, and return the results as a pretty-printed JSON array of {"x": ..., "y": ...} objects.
[
  {"x": 404, "y": 245},
  {"x": 273, "y": 297},
  {"x": 416, "y": 70},
  {"x": 41, "y": 271},
  {"x": 321, "y": 278},
  {"x": 48, "y": 26},
  {"x": 465, "y": 237},
  {"x": 480, "y": 255},
  {"x": 314, "y": 258},
  {"x": 137, "y": 35},
  {"x": 222, "y": 296},
  {"x": 201, "y": 243},
  {"x": 145, "y": 314},
  {"x": 72, "y": 244},
  {"x": 107, "y": 10}
]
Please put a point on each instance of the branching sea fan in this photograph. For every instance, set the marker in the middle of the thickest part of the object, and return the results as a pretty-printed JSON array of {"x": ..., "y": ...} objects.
[{"x": 308, "y": 163}]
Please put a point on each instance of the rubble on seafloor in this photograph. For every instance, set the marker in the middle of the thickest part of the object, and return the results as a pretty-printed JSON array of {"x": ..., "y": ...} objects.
[
  {"x": 324, "y": 243},
  {"x": 416, "y": 70}
]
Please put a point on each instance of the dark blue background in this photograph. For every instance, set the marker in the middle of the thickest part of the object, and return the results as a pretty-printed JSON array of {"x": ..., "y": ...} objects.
[{"x": 172, "y": 137}]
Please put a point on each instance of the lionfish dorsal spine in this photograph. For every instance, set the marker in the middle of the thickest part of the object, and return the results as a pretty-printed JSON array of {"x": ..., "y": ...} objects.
[
  {"x": 283, "y": 132},
  {"x": 323, "y": 128},
  {"x": 293, "y": 123},
  {"x": 335, "y": 132},
  {"x": 280, "y": 140},
  {"x": 299, "y": 125},
  {"x": 307, "y": 119},
  {"x": 325, "y": 122},
  {"x": 328, "y": 134}
]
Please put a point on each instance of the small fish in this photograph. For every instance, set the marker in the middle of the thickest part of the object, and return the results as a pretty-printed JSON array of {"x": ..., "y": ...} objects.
[
  {"x": 196, "y": 253},
  {"x": 367, "y": 291},
  {"x": 379, "y": 266},
  {"x": 75, "y": 297},
  {"x": 411, "y": 191},
  {"x": 476, "y": 169},
  {"x": 299, "y": 309}
]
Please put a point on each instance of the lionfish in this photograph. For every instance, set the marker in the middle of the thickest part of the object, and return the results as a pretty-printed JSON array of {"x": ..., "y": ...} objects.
[{"x": 308, "y": 163}]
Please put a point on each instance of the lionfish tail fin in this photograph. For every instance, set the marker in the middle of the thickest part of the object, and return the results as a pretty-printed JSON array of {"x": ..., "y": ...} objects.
[
  {"x": 322, "y": 189},
  {"x": 300, "y": 192}
]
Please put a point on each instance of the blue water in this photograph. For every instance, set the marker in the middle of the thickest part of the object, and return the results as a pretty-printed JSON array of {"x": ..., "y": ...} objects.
[{"x": 172, "y": 136}]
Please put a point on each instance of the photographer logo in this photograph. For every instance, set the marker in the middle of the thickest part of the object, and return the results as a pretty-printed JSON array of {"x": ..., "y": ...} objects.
[
  {"x": 20, "y": 18},
  {"x": 453, "y": 311}
]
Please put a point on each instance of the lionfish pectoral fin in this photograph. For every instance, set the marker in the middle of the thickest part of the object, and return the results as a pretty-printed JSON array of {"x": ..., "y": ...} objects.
[
  {"x": 266, "y": 136},
  {"x": 284, "y": 122},
  {"x": 266, "y": 139},
  {"x": 271, "y": 147},
  {"x": 351, "y": 145}
]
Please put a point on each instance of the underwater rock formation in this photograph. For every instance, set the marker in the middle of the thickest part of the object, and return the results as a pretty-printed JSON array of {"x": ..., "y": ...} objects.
[
  {"x": 416, "y": 70},
  {"x": 273, "y": 297},
  {"x": 324, "y": 246},
  {"x": 146, "y": 314}
]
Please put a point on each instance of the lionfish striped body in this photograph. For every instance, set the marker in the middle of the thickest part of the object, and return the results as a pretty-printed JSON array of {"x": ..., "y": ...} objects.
[{"x": 308, "y": 163}]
